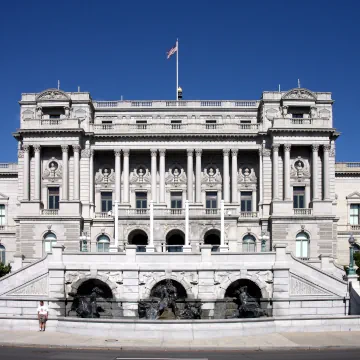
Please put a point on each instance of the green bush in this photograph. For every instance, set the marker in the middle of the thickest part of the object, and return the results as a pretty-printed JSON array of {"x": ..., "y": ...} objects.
[{"x": 4, "y": 269}]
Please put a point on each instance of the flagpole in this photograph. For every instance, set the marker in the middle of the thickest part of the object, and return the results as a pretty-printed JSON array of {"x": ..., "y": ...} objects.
[{"x": 177, "y": 68}]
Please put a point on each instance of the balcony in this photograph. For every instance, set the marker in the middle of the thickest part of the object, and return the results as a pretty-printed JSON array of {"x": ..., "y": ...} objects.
[
  {"x": 195, "y": 104},
  {"x": 347, "y": 167},
  {"x": 8, "y": 168},
  {"x": 103, "y": 215},
  {"x": 183, "y": 128},
  {"x": 303, "y": 212},
  {"x": 298, "y": 123},
  {"x": 50, "y": 124},
  {"x": 249, "y": 214},
  {"x": 50, "y": 212}
]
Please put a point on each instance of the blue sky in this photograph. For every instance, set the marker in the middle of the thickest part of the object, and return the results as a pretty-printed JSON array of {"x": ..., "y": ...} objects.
[{"x": 228, "y": 50}]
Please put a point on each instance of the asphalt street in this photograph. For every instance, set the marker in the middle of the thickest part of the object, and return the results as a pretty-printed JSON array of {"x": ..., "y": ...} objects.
[{"x": 29, "y": 353}]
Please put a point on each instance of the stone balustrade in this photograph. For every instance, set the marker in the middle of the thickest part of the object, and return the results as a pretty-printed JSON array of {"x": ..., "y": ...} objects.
[
  {"x": 62, "y": 123},
  {"x": 183, "y": 103},
  {"x": 8, "y": 167},
  {"x": 306, "y": 211},
  {"x": 50, "y": 212},
  {"x": 301, "y": 123}
]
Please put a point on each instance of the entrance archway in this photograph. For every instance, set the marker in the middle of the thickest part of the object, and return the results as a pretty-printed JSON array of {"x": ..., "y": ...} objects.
[
  {"x": 175, "y": 240},
  {"x": 139, "y": 238},
  {"x": 180, "y": 290},
  {"x": 212, "y": 237}
]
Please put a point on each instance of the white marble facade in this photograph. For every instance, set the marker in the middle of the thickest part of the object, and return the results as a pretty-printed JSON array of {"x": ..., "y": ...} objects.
[{"x": 183, "y": 173}]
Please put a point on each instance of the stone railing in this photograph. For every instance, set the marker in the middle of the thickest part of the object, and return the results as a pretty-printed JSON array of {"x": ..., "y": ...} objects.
[
  {"x": 174, "y": 104},
  {"x": 249, "y": 214},
  {"x": 50, "y": 212},
  {"x": 301, "y": 123},
  {"x": 134, "y": 212},
  {"x": 50, "y": 124},
  {"x": 306, "y": 211},
  {"x": 103, "y": 215},
  {"x": 177, "y": 128},
  {"x": 347, "y": 167},
  {"x": 7, "y": 227},
  {"x": 8, "y": 167},
  {"x": 354, "y": 227}
]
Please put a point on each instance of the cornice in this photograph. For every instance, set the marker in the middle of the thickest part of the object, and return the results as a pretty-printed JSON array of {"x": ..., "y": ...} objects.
[
  {"x": 37, "y": 131},
  {"x": 329, "y": 130},
  {"x": 53, "y": 219},
  {"x": 178, "y": 136},
  {"x": 312, "y": 218}
]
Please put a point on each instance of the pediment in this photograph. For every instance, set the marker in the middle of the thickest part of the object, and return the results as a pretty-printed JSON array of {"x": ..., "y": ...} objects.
[
  {"x": 299, "y": 94},
  {"x": 354, "y": 195},
  {"x": 53, "y": 95}
]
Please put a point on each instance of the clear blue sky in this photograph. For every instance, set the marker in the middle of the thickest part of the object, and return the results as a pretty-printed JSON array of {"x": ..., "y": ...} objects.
[{"x": 228, "y": 50}]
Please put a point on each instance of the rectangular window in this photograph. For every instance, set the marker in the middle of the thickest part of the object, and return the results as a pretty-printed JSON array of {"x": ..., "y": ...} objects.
[
  {"x": 354, "y": 214},
  {"x": 210, "y": 124},
  {"x": 297, "y": 116},
  {"x": 2, "y": 215},
  {"x": 246, "y": 197},
  {"x": 106, "y": 201},
  {"x": 53, "y": 202},
  {"x": 176, "y": 124},
  {"x": 299, "y": 197},
  {"x": 176, "y": 200},
  {"x": 54, "y": 116},
  {"x": 141, "y": 200},
  {"x": 211, "y": 202},
  {"x": 141, "y": 124}
]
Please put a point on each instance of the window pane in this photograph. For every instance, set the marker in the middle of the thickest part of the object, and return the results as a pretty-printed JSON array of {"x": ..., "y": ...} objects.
[
  {"x": 2, "y": 254},
  {"x": 2, "y": 210},
  {"x": 296, "y": 205},
  {"x": 304, "y": 248},
  {"x": 47, "y": 246},
  {"x": 298, "y": 248}
]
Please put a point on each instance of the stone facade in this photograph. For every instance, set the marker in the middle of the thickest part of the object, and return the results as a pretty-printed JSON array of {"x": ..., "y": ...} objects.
[{"x": 245, "y": 177}]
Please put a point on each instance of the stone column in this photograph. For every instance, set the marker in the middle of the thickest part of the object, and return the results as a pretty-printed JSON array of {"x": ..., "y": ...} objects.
[
  {"x": 275, "y": 171},
  {"x": 198, "y": 176},
  {"x": 315, "y": 149},
  {"x": 150, "y": 247},
  {"x": 162, "y": 176},
  {"x": 91, "y": 180},
  {"x": 26, "y": 173},
  {"x": 37, "y": 150},
  {"x": 117, "y": 175},
  {"x": 65, "y": 172},
  {"x": 153, "y": 174},
  {"x": 226, "y": 177},
  {"x": 287, "y": 148},
  {"x": 261, "y": 186},
  {"x": 190, "y": 171},
  {"x": 234, "y": 175},
  {"x": 126, "y": 153},
  {"x": 76, "y": 149},
  {"x": 187, "y": 237},
  {"x": 326, "y": 172},
  {"x": 253, "y": 201}
]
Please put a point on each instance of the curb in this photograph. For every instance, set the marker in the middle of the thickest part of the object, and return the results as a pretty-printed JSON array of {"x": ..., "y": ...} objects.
[{"x": 186, "y": 348}]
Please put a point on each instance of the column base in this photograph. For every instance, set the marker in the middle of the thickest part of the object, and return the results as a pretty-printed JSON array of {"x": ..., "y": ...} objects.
[
  {"x": 224, "y": 248},
  {"x": 69, "y": 207},
  {"x": 282, "y": 207},
  {"x": 322, "y": 207},
  {"x": 187, "y": 248},
  {"x": 150, "y": 249},
  {"x": 31, "y": 207}
]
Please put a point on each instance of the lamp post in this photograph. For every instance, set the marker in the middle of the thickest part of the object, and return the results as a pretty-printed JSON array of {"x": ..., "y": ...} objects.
[
  {"x": 84, "y": 239},
  {"x": 351, "y": 264},
  {"x": 264, "y": 237}
]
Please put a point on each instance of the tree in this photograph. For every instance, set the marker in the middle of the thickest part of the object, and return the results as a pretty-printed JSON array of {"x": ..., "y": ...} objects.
[{"x": 4, "y": 269}]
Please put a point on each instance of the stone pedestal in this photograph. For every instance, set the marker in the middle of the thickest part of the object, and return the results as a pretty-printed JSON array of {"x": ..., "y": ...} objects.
[
  {"x": 187, "y": 248},
  {"x": 31, "y": 208},
  {"x": 67, "y": 208},
  {"x": 224, "y": 248},
  {"x": 280, "y": 207},
  {"x": 113, "y": 248},
  {"x": 322, "y": 207},
  {"x": 150, "y": 249}
]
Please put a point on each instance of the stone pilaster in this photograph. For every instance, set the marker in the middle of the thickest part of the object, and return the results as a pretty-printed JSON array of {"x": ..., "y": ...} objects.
[
  {"x": 65, "y": 172},
  {"x": 190, "y": 172},
  {"x": 275, "y": 153},
  {"x": 315, "y": 149},
  {"x": 117, "y": 175},
  {"x": 226, "y": 182},
  {"x": 76, "y": 149},
  {"x": 153, "y": 174},
  {"x": 91, "y": 174},
  {"x": 162, "y": 175},
  {"x": 326, "y": 172},
  {"x": 37, "y": 151},
  {"x": 26, "y": 173},
  {"x": 287, "y": 148},
  {"x": 126, "y": 153},
  {"x": 234, "y": 174}
]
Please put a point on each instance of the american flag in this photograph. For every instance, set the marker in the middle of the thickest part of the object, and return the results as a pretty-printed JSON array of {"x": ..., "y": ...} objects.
[{"x": 172, "y": 51}]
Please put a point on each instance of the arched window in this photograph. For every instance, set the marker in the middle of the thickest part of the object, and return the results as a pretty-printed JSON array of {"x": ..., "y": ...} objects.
[
  {"x": 103, "y": 243},
  {"x": 302, "y": 245},
  {"x": 249, "y": 243},
  {"x": 2, "y": 254},
  {"x": 49, "y": 241}
]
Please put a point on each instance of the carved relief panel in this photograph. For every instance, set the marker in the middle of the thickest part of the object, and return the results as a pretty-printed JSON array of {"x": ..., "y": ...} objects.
[
  {"x": 52, "y": 170},
  {"x": 247, "y": 178},
  {"x": 300, "y": 169}
]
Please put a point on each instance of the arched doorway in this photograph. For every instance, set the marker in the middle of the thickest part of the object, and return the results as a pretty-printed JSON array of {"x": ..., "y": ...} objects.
[
  {"x": 175, "y": 240},
  {"x": 181, "y": 293},
  {"x": 212, "y": 237},
  {"x": 139, "y": 238}
]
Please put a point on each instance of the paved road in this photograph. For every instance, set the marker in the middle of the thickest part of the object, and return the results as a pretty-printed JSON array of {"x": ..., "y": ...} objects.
[{"x": 19, "y": 353}]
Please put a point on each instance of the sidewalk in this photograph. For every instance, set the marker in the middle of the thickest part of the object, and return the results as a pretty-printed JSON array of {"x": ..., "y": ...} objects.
[{"x": 277, "y": 341}]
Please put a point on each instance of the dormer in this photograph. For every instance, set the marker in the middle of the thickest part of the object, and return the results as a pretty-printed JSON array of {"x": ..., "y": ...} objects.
[
  {"x": 53, "y": 104},
  {"x": 299, "y": 103}
]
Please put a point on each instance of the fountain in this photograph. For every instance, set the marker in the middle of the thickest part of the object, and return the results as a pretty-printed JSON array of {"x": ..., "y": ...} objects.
[{"x": 166, "y": 303}]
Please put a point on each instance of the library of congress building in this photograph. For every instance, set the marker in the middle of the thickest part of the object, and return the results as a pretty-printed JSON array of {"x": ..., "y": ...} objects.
[{"x": 203, "y": 192}]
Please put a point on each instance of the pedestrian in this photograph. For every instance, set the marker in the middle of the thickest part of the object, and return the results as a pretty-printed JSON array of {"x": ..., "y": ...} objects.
[{"x": 42, "y": 311}]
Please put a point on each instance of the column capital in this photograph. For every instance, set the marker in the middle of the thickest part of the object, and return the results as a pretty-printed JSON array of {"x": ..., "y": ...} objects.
[
  {"x": 198, "y": 152},
  {"x": 287, "y": 147},
  {"x": 326, "y": 147},
  {"x": 234, "y": 152},
  {"x": 37, "y": 148},
  {"x": 26, "y": 148},
  {"x": 275, "y": 147},
  {"x": 315, "y": 147},
  {"x": 76, "y": 148},
  {"x": 117, "y": 152},
  {"x": 190, "y": 152},
  {"x": 162, "y": 152},
  {"x": 65, "y": 148},
  {"x": 153, "y": 152},
  {"x": 226, "y": 152},
  {"x": 126, "y": 152}
]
